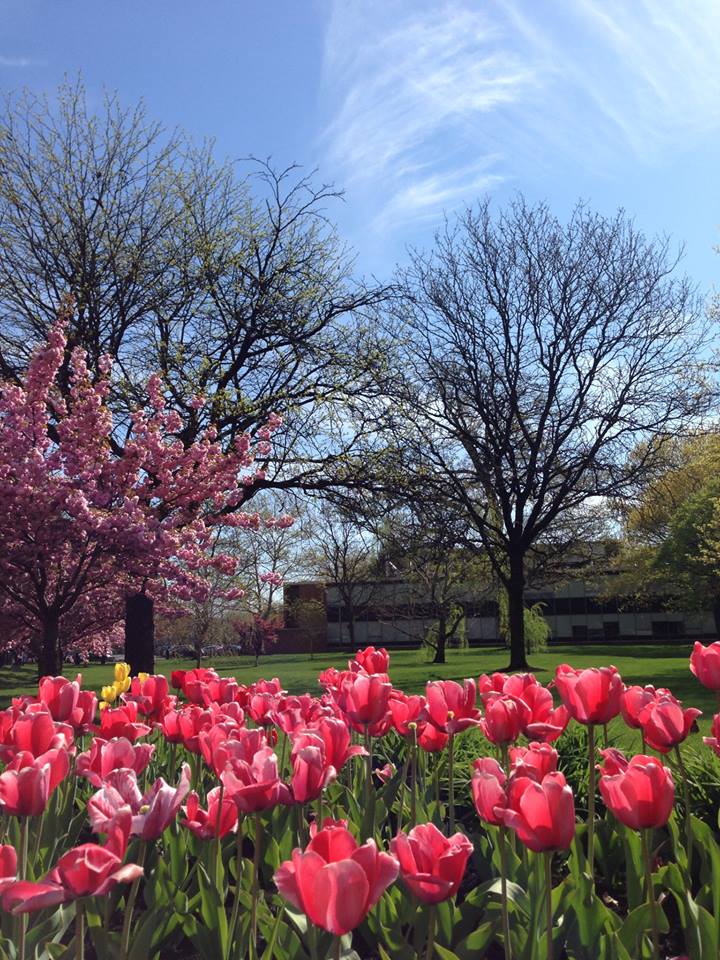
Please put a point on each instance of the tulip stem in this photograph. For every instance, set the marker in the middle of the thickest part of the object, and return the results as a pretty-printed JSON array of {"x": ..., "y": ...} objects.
[
  {"x": 413, "y": 778},
  {"x": 218, "y": 846},
  {"x": 22, "y": 875},
  {"x": 591, "y": 800},
  {"x": 651, "y": 894},
  {"x": 503, "y": 893},
  {"x": 369, "y": 797},
  {"x": 130, "y": 906},
  {"x": 256, "y": 882},
  {"x": 548, "y": 902},
  {"x": 451, "y": 783},
  {"x": 337, "y": 948},
  {"x": 688, "y": 820},
  {"x": 238, "y": 886},
  {"x": 79, "y": 931},
  {"x": 430, "y": 950}
]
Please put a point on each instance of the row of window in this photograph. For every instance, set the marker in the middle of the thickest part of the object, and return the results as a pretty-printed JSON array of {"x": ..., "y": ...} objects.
[{"x": 551, "y": 607}]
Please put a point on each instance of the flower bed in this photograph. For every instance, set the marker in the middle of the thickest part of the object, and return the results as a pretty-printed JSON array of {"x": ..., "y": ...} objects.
[{"x": 230, "y": 821}]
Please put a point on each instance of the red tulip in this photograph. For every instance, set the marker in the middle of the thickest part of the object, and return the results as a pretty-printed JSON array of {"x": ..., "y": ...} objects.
[
  {"x": 488, "y": 790},
  {"x": 541, "y": 814},
  {"x": 334, "y": 881},
  {"x": 705, "y": 664},
  {"x": 255, "y": 786},
  {"x": 370, "y": 661},
  {"x": 121, "y": 722},
  {"x": 151, "y": 813},
  {"x": 665, "y": 724},
  {"x": 363, "y": 699},
  {"x": 150, "y": 694},
  {"x": 592, "y": 696},
  {"x": 106, "y": 755},
  {"x": 534, "y": 761},
  {"x": 86, "y": 871},
  {"x": 311, "y": 773},
  {"x": 642, "y": 795},
  {"x": 714, "y": 741},
  {"x": 431, "y": 864},
  {"x": 213, "y": 822},
  {"x": 450, "y": 706},
  {"x": 505, "y": 718}
]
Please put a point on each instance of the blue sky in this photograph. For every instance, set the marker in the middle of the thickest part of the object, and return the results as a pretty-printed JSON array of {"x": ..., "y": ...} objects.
[{"x": 415, "y": 108}]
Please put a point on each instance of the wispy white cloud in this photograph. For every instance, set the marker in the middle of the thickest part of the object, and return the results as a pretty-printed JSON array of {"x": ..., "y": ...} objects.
[
  {"x": 431, "y": 104},
  {"x": 14, "y": 61},
  {"x": 408, "y": 97}
]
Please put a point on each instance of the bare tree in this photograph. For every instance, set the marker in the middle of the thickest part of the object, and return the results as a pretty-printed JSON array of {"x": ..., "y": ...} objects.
[
  {"x": 537, "y": 355},
  {"x": 428, "y": 551},
  {"x": 343, "y": 553}
]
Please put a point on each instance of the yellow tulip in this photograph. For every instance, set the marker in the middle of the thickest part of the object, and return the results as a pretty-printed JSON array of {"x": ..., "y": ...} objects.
[
  {"x": 103, "y": 705},
  {"x": 122, "y": 671},
  {"x": 142, "y": 677},
  {"x": 109, "y": 694}
]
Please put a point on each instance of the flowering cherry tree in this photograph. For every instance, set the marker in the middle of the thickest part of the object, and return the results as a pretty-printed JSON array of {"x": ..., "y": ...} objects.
[{"x": 100, "y": 518}]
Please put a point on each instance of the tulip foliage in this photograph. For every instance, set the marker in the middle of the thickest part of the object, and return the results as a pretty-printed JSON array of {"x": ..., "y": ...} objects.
[{"x": 208, "y": 818}]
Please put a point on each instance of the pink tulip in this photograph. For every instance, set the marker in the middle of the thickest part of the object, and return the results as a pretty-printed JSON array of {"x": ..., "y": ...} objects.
[
  {"x": 534, "y": 761},
  {"x": 363, "y": 698},
  {"x": 27, "y": 782},
  {"x": 406, "y": 710},
  {"x": 122, "y": 721},
  {"x": 255, "y": 786},
  {"x": 705, "y": 664},
  {"x": 151, "y": 812},
  {"x": 106, "y": 755},
  {"x": 450, "y": 706},
  {"x": 592, "y": 696},
  {"x": 311, "y": 773},
  {"x": 431, "y": 865},
  {"x": 85, "y": 871},
  {"x": 714, "y": 741},
  {"x": 642, "y": 795},
  {"x": 633, "y": 702},
  {"x": 334, "y": 881},
  {"x": 370, "y": 661},
  {"x": 505, "y": 718},
  {"x": 213, "y": 822},
  {"x": 488, "y": 790},
  {"x": 541, "y": 814},
  {"x": 665, "y": 724}
]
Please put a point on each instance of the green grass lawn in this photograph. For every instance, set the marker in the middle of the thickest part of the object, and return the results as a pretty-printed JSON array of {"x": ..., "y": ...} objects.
[{"x": 665, "y": 666}]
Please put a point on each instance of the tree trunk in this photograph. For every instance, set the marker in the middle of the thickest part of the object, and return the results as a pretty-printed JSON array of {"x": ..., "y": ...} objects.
[
  {"x": 441, "y": 639},
  {"x": 140, "y": 634},
  {"x": 516, "y": 613},
  {"x": 716, "y": 615},
  {"x": 351, "y": 630},
  {"x": 50, "y": 660}
]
